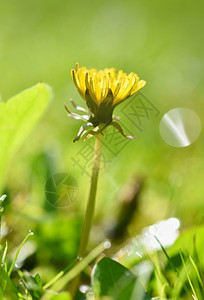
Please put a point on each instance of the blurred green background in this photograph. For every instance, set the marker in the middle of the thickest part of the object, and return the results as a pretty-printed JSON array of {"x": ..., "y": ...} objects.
[{"x": 162, "y": 41}]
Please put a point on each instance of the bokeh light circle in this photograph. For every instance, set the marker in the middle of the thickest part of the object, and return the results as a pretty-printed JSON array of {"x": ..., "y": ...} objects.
[{"x": 180, "y": 127}]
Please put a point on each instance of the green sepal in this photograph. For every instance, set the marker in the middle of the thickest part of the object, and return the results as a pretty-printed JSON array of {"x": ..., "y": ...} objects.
[
  {"x": 101, "y": 113},
  {"x": 83, "y": 129},
  {"x": 119, "y": 128},
  {"x": 98, "y": 129}
]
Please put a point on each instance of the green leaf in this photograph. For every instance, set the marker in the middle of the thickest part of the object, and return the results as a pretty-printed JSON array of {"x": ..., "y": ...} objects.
[
  {"x": 18, "y": 116},
  {"x": 7, "y": 288},
  {"x": 38, "y": 280},
  {"x": 190, "y": 241},
  {"x": 110, "y": 278}
]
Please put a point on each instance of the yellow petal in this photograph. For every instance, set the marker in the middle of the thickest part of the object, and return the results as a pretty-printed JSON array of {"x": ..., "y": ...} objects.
[
  {"x": 137, "y": 87},
  {"x": 81, "y": 73},
  {"x": 99, "y": 83}
]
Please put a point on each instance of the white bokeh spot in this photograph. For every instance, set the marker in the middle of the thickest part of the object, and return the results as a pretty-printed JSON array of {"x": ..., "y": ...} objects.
[{"x": 180, "y": 127}]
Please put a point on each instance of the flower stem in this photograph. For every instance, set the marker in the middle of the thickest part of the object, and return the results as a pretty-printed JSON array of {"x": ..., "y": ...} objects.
[{"x": 89, "y": 210}]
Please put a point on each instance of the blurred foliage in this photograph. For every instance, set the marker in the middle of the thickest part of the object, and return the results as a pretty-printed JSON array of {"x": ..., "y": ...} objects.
[
  {"x": 18, "y": 117},
  {"x": 163, "y": 42}
]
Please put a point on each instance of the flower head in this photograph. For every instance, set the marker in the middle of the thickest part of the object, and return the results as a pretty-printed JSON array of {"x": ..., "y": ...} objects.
[{"x": 103, "y": 90}]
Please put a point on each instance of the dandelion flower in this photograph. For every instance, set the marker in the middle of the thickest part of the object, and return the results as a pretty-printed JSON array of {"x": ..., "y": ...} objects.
[{"x": 102, "y": 90}]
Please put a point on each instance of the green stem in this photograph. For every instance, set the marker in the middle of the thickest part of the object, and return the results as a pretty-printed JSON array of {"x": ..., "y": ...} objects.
[
  {"x": 91, "y": 201},
  {"x": 89, "y": 210},
  {"x": 17, "y": 252}
]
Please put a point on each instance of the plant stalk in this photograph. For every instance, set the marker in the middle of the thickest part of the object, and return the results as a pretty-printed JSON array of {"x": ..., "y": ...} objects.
[{"x": 89, "y": 210}]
